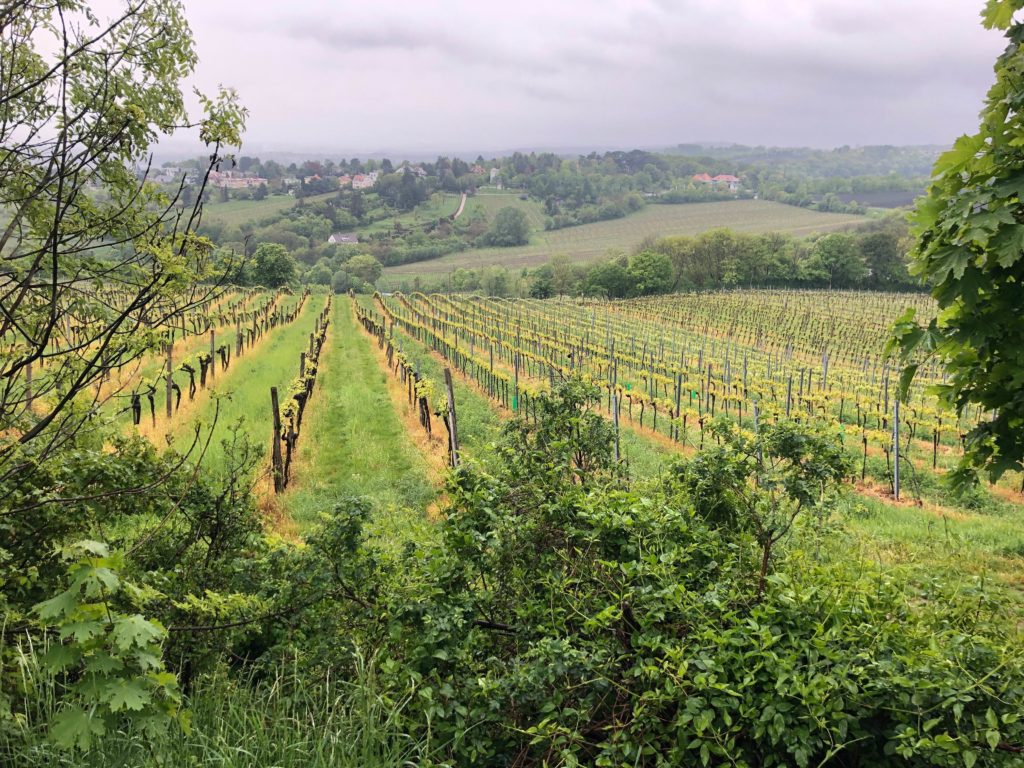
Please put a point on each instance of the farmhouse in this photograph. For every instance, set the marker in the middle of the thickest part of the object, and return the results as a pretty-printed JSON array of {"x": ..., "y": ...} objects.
[
  {"x": 235, "y": 180},
  {"x": 364, "y": 180},
  {"x": 343, "y": 238},
  {"x": 722, "y": 180},
  {"x": 727, "y": 180},
  {"x": 345, "y": 181}
]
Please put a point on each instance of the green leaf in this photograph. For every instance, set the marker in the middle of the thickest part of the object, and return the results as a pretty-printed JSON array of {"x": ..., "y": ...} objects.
[
  {"x": 59, "y": 657},
  {"x": 127, "y": 694},
  {"x": 998, "y": 14},
  {"x": 81, "y": 631},
  {"x": 97, "y": 548},
  {"x": 63, "y": 604},
  {"x": 74, "y": 728},
  {"x": 135, "y": 630}
]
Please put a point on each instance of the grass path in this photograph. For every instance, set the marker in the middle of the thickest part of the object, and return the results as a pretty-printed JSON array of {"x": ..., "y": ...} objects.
[{"x": 354, "y": 443}]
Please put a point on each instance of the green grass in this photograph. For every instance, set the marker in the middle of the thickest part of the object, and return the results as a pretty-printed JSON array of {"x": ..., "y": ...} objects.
[
  {"x": 439, "y": 205},
  {"x": 238, "y": 212},
  {"x": 984, "y": 541},
  {"x": 353, "y": 443},
  {"x": 478, "y": 421},
  {"x": 284, "y": 721},
  {"x": 589, "y": 242},
  {"x": 242, "y": 394},
  {"x": 485, "y": 204}
]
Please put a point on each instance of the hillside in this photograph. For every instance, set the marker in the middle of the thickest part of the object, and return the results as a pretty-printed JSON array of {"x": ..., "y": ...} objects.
[{"x": 589, "y": 242}]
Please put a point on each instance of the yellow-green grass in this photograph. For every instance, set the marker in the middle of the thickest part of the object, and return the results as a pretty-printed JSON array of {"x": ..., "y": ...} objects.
[
  {"x": 152, "y": 368},
  {"x": 238, "y": 212},
  {"x": 241, "y": 397},
  {"x": 438, "y": 206},
  {"x": 353, "y": 443},
  {"x": 589, "y": 242},
  {"x": 486, "y": 204}
]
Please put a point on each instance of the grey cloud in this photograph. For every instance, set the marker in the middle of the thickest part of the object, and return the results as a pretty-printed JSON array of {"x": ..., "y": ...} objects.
[{"x": 598, "y": 72}]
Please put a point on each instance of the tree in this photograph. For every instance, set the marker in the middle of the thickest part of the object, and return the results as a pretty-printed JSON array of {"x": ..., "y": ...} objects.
[
  {"x": 320, "y": 275},
  {"x": 341, "y": 281},
  {"x": 81, "y": 103},
  {"x": 272, "y": 265},
  {"x": 542, "y": 284},
  {"x": 97, "y": 265},
  {"x": 510, "y": 227},
  {"x": 610, "y": 280},
  {"x": 364, "y": 267},
  {"x": 836, "y": 260},
  {"x": 651, "y": 273},
  {"x": 970, "y": 250},
  {"x": 356, "y": 206}
]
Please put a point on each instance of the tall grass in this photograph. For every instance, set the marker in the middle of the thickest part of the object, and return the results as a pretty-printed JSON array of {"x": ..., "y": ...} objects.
[{"x": 283, "y": 722}]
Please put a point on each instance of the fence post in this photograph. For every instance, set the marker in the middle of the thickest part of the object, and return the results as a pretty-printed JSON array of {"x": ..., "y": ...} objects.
[
  {"x": 615, "y": 401},
  {"x": 213, "y": 353},
  {"x": 169, "y": 382},
  {"x": 896, "y": 450},
  {"x": 275, "y": 457},
  {"x": 452, "y": 430}
]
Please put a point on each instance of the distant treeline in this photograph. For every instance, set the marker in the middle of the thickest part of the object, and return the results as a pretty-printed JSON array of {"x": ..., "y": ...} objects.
[{"x": 872, "y": 256}]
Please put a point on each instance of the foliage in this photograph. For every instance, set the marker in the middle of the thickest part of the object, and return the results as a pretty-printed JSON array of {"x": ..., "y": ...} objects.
[
  {"x": 82, "y": 103},
  {"x": 836, "y": 260},
  {"x": 969, "y": 250},
  {"x": 794, "y": 469},
  {"x": 272, "y": 266},
  {"x": 364, "y": 267},
  {"x": 510, "y": 227},
  {"x": 651, "y": 273},
  {"x": 568, "y": 618},
  {"x": 111, "y": 659}
]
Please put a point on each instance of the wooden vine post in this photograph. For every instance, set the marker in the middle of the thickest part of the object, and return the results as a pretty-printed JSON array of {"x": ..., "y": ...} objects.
[
  {"x": 275, "y": 457},
  {"x": 213, "y": 354},
  {"x": 896, "y": 449},
  {"x": 615, "y": 399},
  {"x": 453, "y": 436},
  {"x": 169, "y": 381}
]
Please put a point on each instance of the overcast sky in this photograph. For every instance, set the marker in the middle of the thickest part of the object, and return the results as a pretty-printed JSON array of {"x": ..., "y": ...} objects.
[{"x": 423, "y": 75}]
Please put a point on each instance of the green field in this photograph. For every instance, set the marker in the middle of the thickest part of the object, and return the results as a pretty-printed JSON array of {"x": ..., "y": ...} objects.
[
  {"x": 590, "y": 242},
  {"x": 439, "y": 205},
  {"x": 488, "y": 202},
  {"x": 238, "y": 212}
]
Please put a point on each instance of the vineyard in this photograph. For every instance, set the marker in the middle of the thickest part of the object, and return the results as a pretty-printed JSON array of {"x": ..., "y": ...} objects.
[{"x": 668, "y": 366}]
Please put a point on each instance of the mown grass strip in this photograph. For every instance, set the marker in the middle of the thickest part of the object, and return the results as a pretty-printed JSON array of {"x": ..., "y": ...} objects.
[{"x": 354, "y": 444}]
